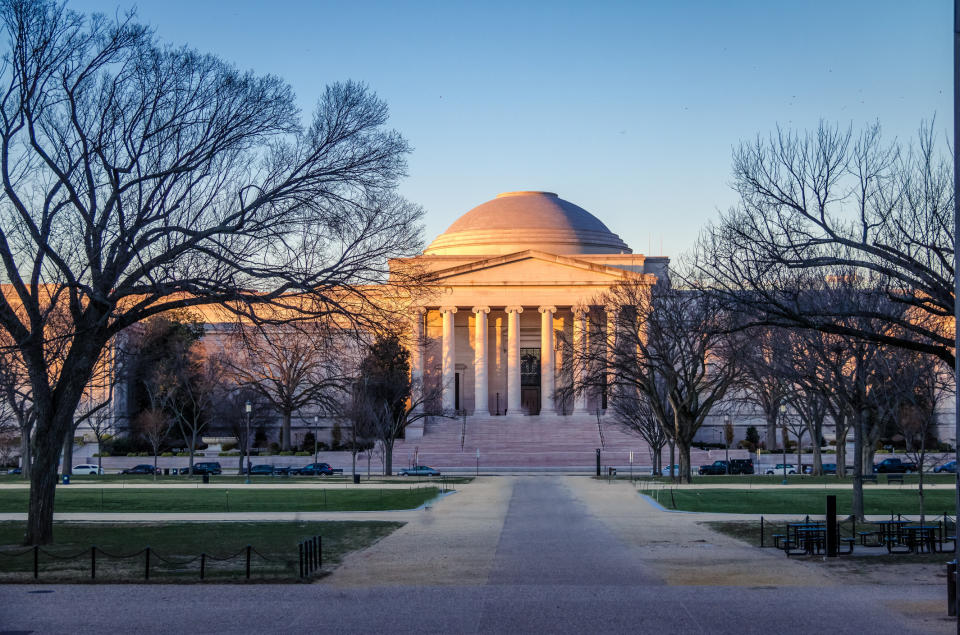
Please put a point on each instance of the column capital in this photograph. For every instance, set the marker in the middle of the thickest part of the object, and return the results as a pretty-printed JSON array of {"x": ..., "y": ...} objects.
[
  {"x": 418, "y": 309},
  {"x": 548, "y": 309},
  {"x": 448, "y": 309},
  {"x": 516, "y": 308},
  {"x": 480, "y": 309},
  {"x": 611, "y": 308},
  {"x": 580, "y": 310}
]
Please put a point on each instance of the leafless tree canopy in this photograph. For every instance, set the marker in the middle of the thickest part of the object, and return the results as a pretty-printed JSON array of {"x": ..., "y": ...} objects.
[
  {"x": 139, "y": 177},
  {"x": 831, "y": 205}
]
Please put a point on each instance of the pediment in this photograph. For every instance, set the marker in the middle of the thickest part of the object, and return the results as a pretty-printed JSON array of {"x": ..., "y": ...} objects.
[{"x": 530, "y": 267}]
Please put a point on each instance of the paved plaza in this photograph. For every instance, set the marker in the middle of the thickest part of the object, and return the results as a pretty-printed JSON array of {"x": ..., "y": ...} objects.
[{"x": 516, "y": 554}]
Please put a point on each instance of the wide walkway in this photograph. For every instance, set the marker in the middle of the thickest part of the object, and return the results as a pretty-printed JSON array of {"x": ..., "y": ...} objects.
[{"x": 516, "y": 555}]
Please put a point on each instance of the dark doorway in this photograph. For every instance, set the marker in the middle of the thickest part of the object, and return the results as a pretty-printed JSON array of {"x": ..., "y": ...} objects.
[{"x": 530, "y": 380}]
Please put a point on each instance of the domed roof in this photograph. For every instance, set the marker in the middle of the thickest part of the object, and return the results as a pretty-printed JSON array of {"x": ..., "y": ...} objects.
[{"x": 516, "y": 221}]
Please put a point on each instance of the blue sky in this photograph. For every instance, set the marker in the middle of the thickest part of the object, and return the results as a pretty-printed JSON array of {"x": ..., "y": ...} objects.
[{"x": 629, "y": 109}]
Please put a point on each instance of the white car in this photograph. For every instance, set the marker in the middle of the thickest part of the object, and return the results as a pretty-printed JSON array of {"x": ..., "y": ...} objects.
[
  {"x": 87, "y": 469},
  {"x": 779, "y": 469}
]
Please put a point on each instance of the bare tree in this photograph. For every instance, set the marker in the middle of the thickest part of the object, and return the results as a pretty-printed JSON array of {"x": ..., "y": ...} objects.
[
  {"x": 828, "y": 201},
  {"x": 292, "y": 366},
  {"x": 139, "y": 178},
  {"x": 635, "y": 414},
  {"x": 671, "y": 345},
  {"x": 763, "y": 383},
  {"x": 154, "y": 426}
]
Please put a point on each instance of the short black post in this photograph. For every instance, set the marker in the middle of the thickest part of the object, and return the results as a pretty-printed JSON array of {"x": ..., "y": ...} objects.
[
  {"x": 832, "y": 529},
  {"x": 306, "y": 557},
  {"x": 598, "y": 461},
  {"x": 146, "y": 568},
  {"x": 320, "y": 551},
  {"x": 203, "y": 565},
  {"x": 36, "y": 561},
  {"x": 316, "y": 553},
  {"x": 248, "y": 561},
  {"x": 952, "y": 588},
  {"x": 761, "y": 531},
  {"x": 93, "y": 563},
  {"x": 301, "y": 559}
]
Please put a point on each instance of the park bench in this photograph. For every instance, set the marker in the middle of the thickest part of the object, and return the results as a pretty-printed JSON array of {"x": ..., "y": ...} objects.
[
  {"x": 776, "y": 540},
  {"x": 893, "y": 478},
  {"x": 849, "y": 542},
  {"x": 872, "y": 478},
  {"x": 864, "y": 535}
]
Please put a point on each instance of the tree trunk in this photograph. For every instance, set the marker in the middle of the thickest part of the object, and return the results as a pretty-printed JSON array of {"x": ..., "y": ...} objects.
[
  {"x": 154, "y": 464},
  {"x": 685, "y": 474},
  {"x": 43, "y": 475},
  {"x": 857, "y": 501},
  {"x": 285, "y": 430},
  {"x": 25, "y": 454},
  {"x": 771, "y": 441},
  {"x": 673, "y": 459},
  {"x": 66, "y": 460},
  {"x": 387, "y": 457},
  {"x": 817, "y": 460},
  {"x": 242, "y": 457},
  {"x": 841, "y": 434}
]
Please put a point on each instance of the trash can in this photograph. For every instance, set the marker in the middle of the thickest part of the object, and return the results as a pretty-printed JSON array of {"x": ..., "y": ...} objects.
[
  {"x": 206, "y": 479},
  {"x": 66, "y": 479},
  {"x": 356, "y": 479},
  {"x": 612, "y": 471},
  {"x": 166, "y": 471}
]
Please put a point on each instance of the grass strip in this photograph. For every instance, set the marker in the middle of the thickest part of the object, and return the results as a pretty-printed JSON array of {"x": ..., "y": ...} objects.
[
  {"x": 175, "y": 550},
  {"x": 806, "y": 501},
  {"x": 214, "y": 500}
]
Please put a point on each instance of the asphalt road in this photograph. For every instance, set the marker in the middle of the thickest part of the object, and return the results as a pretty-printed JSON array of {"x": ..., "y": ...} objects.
[{"x": 557, "y": 568}]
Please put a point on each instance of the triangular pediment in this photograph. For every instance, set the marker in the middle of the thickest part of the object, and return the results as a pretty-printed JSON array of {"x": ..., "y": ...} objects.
[{"x": 529, "y": 266}]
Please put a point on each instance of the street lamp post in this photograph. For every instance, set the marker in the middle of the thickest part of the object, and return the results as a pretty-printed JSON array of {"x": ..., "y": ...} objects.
[
  {"x": 316, "y": 428},
  {"x": 726, "y": 424},
  {"x": 783, "y": 441},
  {"x": 249, "y": 407}
]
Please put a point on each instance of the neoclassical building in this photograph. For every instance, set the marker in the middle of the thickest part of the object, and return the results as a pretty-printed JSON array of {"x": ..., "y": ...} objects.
[{"x": 513, "y": 279}]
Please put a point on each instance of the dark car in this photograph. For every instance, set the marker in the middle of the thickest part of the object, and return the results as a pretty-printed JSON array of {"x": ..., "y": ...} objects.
[
  {"x": 741, "y": 466},
  {"x": 15, "y": 470},
  {"x": 894, "y": 466},
  {"x": 318, "y": 469},
  {"x": 138, "y": 469},
  {"x": 284, "y": 470},
  {"x": 715, "y": 468},
  {"x": 207, "y": 467},
  {"x": 261, "y": 469}
]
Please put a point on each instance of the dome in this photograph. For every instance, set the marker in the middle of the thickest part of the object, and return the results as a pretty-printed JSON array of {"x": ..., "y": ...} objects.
[{"x": 516, "y": 221}]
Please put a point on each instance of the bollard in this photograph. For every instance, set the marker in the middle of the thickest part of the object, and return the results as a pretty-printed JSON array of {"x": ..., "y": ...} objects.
[
  {"x": 146, "y": 568},
  {"x": 598, "y": 461},
  {"x": 320, "y": 550},
  {"x": 761, "y": 532},
  {"x": 952, "y": 588},
  {"x": 301, "y": 559},
  {"x": 203, "y": 565},
  {"x": 248, "y": 562},
  {"x": 93, "y": 563},
  {"x": 832, "y": 528},
  {"x": 316, "y": 557},
  {"x": 306, "y": 557},
  {"x": 36, "y": 562}
]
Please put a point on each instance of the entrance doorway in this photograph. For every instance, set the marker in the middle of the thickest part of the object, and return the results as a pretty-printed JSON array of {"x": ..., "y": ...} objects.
[{"x": 530, "y": 380}]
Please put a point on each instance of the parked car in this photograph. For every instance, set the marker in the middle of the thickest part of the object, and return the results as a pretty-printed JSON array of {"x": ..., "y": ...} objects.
[
  {"x": 741, "y": 466},
  {"x": 138, "y": 469},
  {"x": 419, "y": 470},
  {"x": 779, "y": 469},
  {"x": 894, "y": 466},
  {"x": 665, "y": 471},
  {"x": 87, "y": 468},
  {"x": 15, "y": 470},
  {"x": 826, "y": 468},
  {"x": 950, "y": 467},
  {"x": 261, "y": 470},
  {"x": 317, "y": 469},
  {"x": 204, "y": 467},
  {"x": 717, "y": 467},
  {"x": 284, "y": 470}
]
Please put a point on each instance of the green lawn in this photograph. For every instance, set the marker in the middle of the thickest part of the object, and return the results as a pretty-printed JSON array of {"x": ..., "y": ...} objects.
[
  {"x": 797, "y": 479},
  {"x": 212, "y": 499},
  {"x": 174, "y": 547},
  {"x": 804, "y": 501}
]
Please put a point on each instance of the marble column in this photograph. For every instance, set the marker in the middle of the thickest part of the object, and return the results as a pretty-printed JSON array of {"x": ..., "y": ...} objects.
[
  {"x": 449, "y": 359},
  {"x": 513, "y": 359},
  {"x": 611, "y": 345},
  {"x": 580, "y": 357},
  {"x": 547, "y": 361},
  {"x": 416, "y": 356},
  {"x": 480, "y": 379}
]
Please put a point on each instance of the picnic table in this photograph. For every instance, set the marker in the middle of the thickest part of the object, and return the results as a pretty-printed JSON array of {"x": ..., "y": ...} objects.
[
  {"x": 920, "y": 536},
  {"x": 891, "y": 532}
]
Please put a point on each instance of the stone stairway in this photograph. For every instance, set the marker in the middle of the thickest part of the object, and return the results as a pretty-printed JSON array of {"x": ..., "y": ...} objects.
[{"x": 547, "y": 441}]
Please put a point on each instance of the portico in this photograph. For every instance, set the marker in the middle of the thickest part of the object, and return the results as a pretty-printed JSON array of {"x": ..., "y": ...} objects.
[{"x": 515, "y": 293}]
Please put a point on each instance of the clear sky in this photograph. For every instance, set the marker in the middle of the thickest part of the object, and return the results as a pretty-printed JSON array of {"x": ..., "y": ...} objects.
[{"x": 629, "y": 109}]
